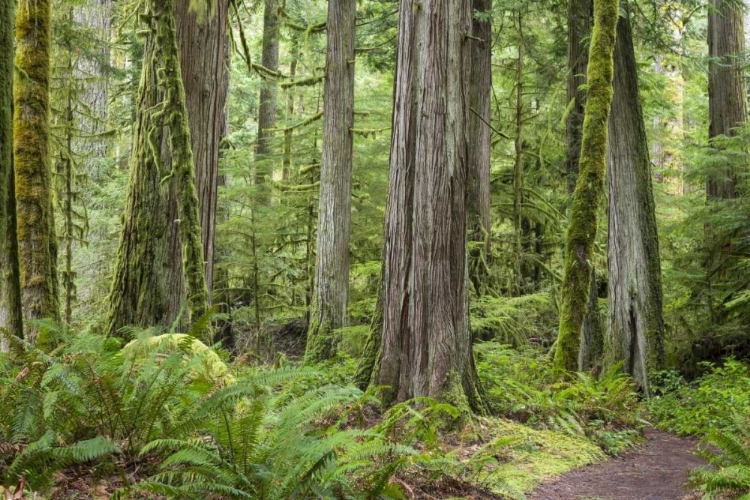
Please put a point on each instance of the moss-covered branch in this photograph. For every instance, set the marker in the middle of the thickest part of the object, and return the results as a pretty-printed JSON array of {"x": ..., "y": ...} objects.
[
  {"x": 587, "y": 196},
  {"x": 302, "y": 82},
  {"x": 303, "y": 123}
]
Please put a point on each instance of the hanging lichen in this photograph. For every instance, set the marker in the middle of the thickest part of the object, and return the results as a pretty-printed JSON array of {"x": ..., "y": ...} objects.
[{"x": 587, "y": 195}]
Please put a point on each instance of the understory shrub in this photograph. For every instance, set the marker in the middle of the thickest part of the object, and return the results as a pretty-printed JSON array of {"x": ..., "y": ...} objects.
[
  {"x": 728, "y": 452},
  {"x": 705, "y": 405},
  {"x": 166, "y": 414},
  {"x": 522, "y": 385}
]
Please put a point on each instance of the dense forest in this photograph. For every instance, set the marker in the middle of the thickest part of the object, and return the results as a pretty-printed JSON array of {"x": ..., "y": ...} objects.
[{"x": 406, "y": 249}]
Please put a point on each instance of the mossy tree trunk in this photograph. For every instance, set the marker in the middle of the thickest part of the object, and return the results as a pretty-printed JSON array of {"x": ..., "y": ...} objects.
[
  {"x": 286, "y": 169},
  {"x": 330, "y": 299},
  {"x": 480, "y": 135},
  {"x": 425, "y": 342},
  {"x": 635, "y": 335},
  {"x": 727, "y": 89},
  {"x": 140, "y": 293},
  {"x": 35, "y": 219},
  {"x": 587, "y": 195},
  {"x": 203, "y": 42},
  {"x": 268, "y": 100},
  {"x": 518, "y": 146},
  {"x": 579, "y": 28},
  {"x": 144, "y": 291},
  {"x": 10, "y": 287}
]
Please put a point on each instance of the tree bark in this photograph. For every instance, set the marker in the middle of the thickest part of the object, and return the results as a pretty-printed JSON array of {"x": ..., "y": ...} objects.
[
  {"x": 587, "y": 196},
  {"x": 518, "y": 230},
  {"x": 727, "y": 93},
  {"x": 203, "y": 42},
  {"x": 425, "y": 345},
  {"x": 149, "y": 289},
  {"x": 268, "y": 98},
  {"x": 35, "y": 219},
  {"x": 331, "y": 294},
  {"x": 579, "y": 28},
  {"x": 635, "y": 335},
  {"x": 480, "y": 135},
  {"x": 10, "y": 287}
]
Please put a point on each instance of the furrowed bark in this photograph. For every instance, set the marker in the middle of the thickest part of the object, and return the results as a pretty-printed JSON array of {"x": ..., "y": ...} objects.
[
  {"x": 587, "y": 195},
  {"x": 480, "y": 135},
  {"x": 331, "y": 294},
  {"x": 425, "y": 343},
  {"x": 203, "y": 42},
  {"x": 635, "y": 336},
  {"x": 148, "y": 289},
  {"x": 268, "y": 98},
  {"x": 727, "y": 90}
]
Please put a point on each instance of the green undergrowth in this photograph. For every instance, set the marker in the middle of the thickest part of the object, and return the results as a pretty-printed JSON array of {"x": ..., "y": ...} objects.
[
  {"x": 521, "y": 385},
  {"x": 521, "y": 457},
  {"x": 716, "y": 408},
  {"x": 167, "y": 415},
  {"x": 704, "y": 405}
]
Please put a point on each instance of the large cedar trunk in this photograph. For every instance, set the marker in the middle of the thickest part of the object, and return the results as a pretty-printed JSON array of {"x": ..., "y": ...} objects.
[
  {"x": 727, "y": 99},
  {"x": 579, "y": 28},
  {"x": 331, "y": 293},
  {"x": 587, "y": 196},
  {"x": 150, "y": 286},
  {"x": 203, "y": 42},
  {"x": 10, "y": 292},
  {"x": 636, "y": 328},
  {"x": 480, "y": 135},
  {"x": 268, "y": 98},
  {"x": 36, "y": 242},
  {"x": 425, "y": 347}
]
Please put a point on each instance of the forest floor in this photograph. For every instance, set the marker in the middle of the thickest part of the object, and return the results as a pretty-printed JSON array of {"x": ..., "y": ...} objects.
[{"x": 658, "y": 470}]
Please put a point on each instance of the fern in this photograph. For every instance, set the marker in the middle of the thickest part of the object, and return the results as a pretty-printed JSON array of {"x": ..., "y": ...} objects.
[{"x": 730, "y": 473}]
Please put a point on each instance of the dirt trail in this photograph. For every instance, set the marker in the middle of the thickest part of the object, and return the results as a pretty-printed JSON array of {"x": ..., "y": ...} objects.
[{"x": 656, "y": 471}]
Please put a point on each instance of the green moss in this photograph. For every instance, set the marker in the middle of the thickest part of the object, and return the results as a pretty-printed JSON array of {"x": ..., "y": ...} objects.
[
  {"x": 182, "y": 157},
  {"x": 31, "y": 163},
  {"x": 322, "y": 341},
  {"x": 10, "y": 292},
  {"x": 589, "y": 187},
  {"x": 535, "y": 456}
]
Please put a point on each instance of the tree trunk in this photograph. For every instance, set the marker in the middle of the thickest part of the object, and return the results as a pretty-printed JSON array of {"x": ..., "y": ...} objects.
[
  {"x": 203, "y": 42},
  {"x": 635, "y": 335},
  {"x": 518, "y": 167},
  {"x": 425, "y": 347},
  {"x": 35, "y": 218},
  {"x": 140, "y": 290},
  {"x": 579, "y": 27},
  {"x": 10, "y": 288},
  {"x": 727, "y": 94},
  {"x": 148, "y": 288},
  {"x": 331, "y": 294},
  {"x": 480, "y": 135},
  {"x": 587, "y": 196},
  {"x": 286, "y": 172},
  {"x": 268, "y": 96}
]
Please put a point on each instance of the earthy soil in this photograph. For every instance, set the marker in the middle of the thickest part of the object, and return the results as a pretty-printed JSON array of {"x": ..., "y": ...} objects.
[{"x": 656, "y": 471}]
